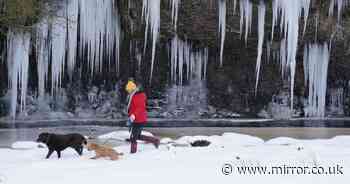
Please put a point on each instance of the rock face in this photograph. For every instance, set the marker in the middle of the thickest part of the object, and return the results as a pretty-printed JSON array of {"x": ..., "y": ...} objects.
[{"x": 227, "y": 91}]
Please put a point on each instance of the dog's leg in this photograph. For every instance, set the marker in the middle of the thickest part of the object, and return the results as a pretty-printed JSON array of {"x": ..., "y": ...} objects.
[
  {"x": 79, "y": 150},
  {"x": 58, "y": 154},
  {"x": 114, "y": 157},
  {"x": 95, "y": 157},
  {"x": 49, "y": 153}
]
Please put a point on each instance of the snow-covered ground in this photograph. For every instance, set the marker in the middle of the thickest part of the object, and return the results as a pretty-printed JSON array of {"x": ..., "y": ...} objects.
[{"x": 175, "y": 162}]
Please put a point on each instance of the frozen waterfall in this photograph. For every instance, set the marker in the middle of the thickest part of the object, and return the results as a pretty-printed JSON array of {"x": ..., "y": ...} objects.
[
  {"x": 190, "y": 98},
  {"x": 97, "y": 25},
  {"x": 186, "y": 60},
  {"x": 316, "y": 59},
  {"x": 290, "y": 13},
  {"x": 18, "y": 49},
  {"x": 99, "y": 32}
]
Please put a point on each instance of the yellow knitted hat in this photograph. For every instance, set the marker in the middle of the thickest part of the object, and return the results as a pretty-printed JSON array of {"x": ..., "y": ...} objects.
[{"x": 130, "y": 86}]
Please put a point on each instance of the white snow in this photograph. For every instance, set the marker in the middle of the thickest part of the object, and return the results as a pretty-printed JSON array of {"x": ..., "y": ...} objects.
[
  {"x": 182, "y": 164},
  {"x": 26, "y": 145}
]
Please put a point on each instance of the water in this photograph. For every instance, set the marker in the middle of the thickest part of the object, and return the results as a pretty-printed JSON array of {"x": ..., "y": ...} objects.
[{"x": 8, "y": 136}]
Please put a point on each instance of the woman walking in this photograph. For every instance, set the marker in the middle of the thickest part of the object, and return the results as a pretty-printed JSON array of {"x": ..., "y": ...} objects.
[{"x": 137, "y": 115}]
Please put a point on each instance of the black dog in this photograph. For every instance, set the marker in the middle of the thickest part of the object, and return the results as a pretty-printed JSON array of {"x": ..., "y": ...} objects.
[{"x": 58, "y": 143}]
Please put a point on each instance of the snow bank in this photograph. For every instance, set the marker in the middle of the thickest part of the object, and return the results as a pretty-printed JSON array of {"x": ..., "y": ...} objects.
[
  {"x": 181, "y": 164},
  {"x": 26, "y": 145},
  {"x": 226, "y": 139}
]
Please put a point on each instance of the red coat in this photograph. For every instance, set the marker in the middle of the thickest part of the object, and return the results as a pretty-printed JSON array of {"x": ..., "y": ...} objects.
[{"x": 138, "y": 107}]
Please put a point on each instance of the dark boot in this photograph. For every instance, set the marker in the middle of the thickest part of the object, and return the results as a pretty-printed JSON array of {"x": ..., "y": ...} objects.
[
  {"x": 133, "y": 148},
  {"x": 153, "y": 140}
]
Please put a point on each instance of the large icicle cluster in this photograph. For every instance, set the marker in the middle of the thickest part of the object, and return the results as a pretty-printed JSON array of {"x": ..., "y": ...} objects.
[
  {"x": 290, "y": 13},
  {"x": 261, "y": 32},
  {"x": 185, "y": 60},
  {"x": 336, "y": 102},
  {"x": 58, "y": 50},
  {"x": 18, "y": 49},
  {"x": 151, "y": 13},
  {"x": 42, "y": 54},
  {"x": 222, "y": 26},
  {"x": 187, "y": 65},
  {"x": 340, "y": 4},
  {"x": 175, "y": 12},
  {"x": 99, "y": 32},
  {"x": 316, "y": 59},
  {"x": 56, "y": 45},
  {"x": 72, "y": 29},
  {"x": 246, "y": 12}
]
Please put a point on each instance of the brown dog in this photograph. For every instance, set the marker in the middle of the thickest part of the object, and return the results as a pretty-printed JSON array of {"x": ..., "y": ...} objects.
[{"x": 103, "y": 151}]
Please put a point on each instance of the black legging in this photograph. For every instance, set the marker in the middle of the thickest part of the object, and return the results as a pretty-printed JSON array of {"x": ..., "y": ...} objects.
[{"x": 136, "y": 129}]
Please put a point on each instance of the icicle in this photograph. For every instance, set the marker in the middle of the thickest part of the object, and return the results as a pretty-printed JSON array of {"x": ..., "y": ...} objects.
[
  {"x": 99, "y": 32},
  {"x": 246, "y": 13},
  {"x": 58, "y": 50},
  {"x": 290, "y": 12},
  {"x": 268, "y": 51},
  {"x": 316, "y": 63},
  {"x": 336, "y": 103},
  {"x": 151, "y": 11},
  {"x": 341, "y": 4},
  {"x": 118, "y": 33},
  {"x": 234, "y": 6},
  {"x": 331, "y": 8},
  {"x": 72, "y": 29},
  {"x": 261, "y": 27},
  {"x": 183, "y": 58},
  {"x": 283, "y": 57},
  {"x": 174, "y": 12},
  {"x": 42, "y": 53},
  {"x": 222, "y": 26},
  {"x": 305, "y": 6},
  {"x": 18, "y": 49}
]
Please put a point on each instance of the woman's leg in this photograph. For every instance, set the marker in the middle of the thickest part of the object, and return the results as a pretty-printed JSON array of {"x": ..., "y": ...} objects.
[
  {"x": 134, "y": 136},
  {"x": 155, "y": 141}
]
